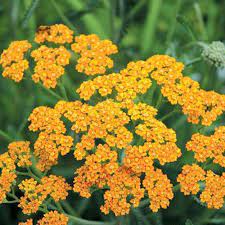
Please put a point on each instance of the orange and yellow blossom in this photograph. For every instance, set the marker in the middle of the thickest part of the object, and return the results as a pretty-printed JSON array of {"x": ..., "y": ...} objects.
[
  {"x": 8, "y": 175},
  {"x": 50, "y": 64},
  {"x": 35, "y": 193},
  {"x": 13, "y": 62},
  {"x": 212, "y": 147},
  {"x": 94, "y": 54},
  {"x": 57, "y": 33}
]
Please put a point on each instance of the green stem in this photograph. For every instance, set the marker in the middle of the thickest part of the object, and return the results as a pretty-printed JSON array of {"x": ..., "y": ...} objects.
[
  {"x": 173, "y": 23},
  {"x": 168, "y": 115},
  {"x": 5, "y": 136},
  {"x": 63, "y": 91},
  {"x": 50, "y": 92},
  {"x": 81, "y": 221},
  {"x": 196, "y": 60},
  {"x": 176, "y": 188},
  {"x": 150, "y": 26},
  {"x": 61, "y": 14}
]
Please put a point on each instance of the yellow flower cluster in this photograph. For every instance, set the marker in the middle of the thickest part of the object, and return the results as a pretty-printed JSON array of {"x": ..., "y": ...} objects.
[
  {"x": 49, "y": 64},
  {"x": 122, "y": 184},
  {"x": 52, "y": 140},
  {"x": 50, "y": 218},
  {"x": 213, "y": 185},
  {"x": 127, "y": 83},
  {"x": 13, "y": 62},
  {"x": 214, "y": 192},
  {"x": 200, "y": 106},
  {"x": 212, "y": 147},
  {"x": 20, "y": 152},
  {"x": 190, "y": 177},
  {"x": 159, "y": 189},
  {"x": 8, "y": 175},
  {"x": 36, "y": 193},
  {"x": 103, "y": 169},
  {"x": 160, "y": 142},
  {"x": 105, "y": 121},
  {"x": 58, "y": 33},
  {"x": 94, "y": 54}
]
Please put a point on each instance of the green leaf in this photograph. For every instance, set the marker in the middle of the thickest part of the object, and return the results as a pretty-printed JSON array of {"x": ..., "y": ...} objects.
[{"x": 29, "y": 12}]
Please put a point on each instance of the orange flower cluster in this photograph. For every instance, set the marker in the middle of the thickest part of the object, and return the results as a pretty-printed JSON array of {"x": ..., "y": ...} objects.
[
  {"x": 213, "y": 185},
  {"x": 160, "y": 142},
  {"x": 200, "y": 106},
  {"x": 13, "y": 62},
  {"x": 128, "y": 83},
  {"x": 159, "y": 189},
  {"x": 122, "y": 185},
  {"x": 212, "y": 147},
  {"x": 49, "y": 66},
  {"x": 58, "y": 33},
  {"x": 105, "y": 169},
  {"x": 189, "y": 178},
  {"x": 50, "y": 218},
  {"x": 52, "y": 140},
  {"x": 94, "y": 54},
  {"x": 214, "y": 192},
  {"x": 20, "y": 152},
  {"x": 8, "y": 175},
  {"x": 35, "y": 194},
  {"x": 105, "y": 121}
]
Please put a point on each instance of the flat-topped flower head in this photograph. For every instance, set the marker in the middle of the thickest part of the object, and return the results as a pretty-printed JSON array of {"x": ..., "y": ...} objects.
[
  {"x": 13, "y": 62},
  {"x": 94, "y": 54},
  {"x": 58, "y": 33}
]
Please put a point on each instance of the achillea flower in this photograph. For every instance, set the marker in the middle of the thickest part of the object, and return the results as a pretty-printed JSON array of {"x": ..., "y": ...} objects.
[
  {"x": 53, "y": 217},
  {"x": 50, "y": 64},
  {"x": 8, "y": 175},
  {"x": 19, "y": 151},
  {"x": 159, "y": 189},
  {"x": 130, "y": 82},
  {"x": 205, "y": 147},
  {"x": 28, "y": 222},
  {"x": 46, "y": 119},
  {"x": 96, "y": 171},
  {"x": 13, "y": 62},
  {"x": 122, "y": 185},
  {"x": 35, "y": 193},
  {"x": 189, "y": 178},
  {"x": 200, "y": 106},
  {"x": 48, "y": 147},
  {"x": 94, "y": 54},
  {"x": 214, "y": 192},
  {"x": 58, "y": 33}
]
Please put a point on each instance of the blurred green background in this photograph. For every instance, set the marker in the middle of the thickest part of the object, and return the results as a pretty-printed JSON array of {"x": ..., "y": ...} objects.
[{"x": 140, "y": 28}]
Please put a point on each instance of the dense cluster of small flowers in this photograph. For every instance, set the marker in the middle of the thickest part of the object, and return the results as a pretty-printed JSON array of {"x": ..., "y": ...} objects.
[
  {"x": 50, "y": 218},
  {"x": 49, "y": 64},
  {"x": 8, "y": 175},
  {"x": 194, "y": 179},
  {"x": 20, "y": 152},
  {"x": 58, "y": 33},
  {"x": 200, "y": 106},
  {"x": 190, "y": 177},
  {"x": 94, "y": 54},
  {"x": 205, "y": 147},
  {"x": 118, "y": 140},
  {"x": 13, "y": 62},
  {"x": 214, "y": 53},
  {"x": 52, "y": 140},
  {"x": 127, "y": 83},
  {"x": 36, "y": 193}
]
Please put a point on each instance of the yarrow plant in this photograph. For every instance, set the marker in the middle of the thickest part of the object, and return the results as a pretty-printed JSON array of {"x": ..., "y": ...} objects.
[{"x": 121, "y": 143}]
